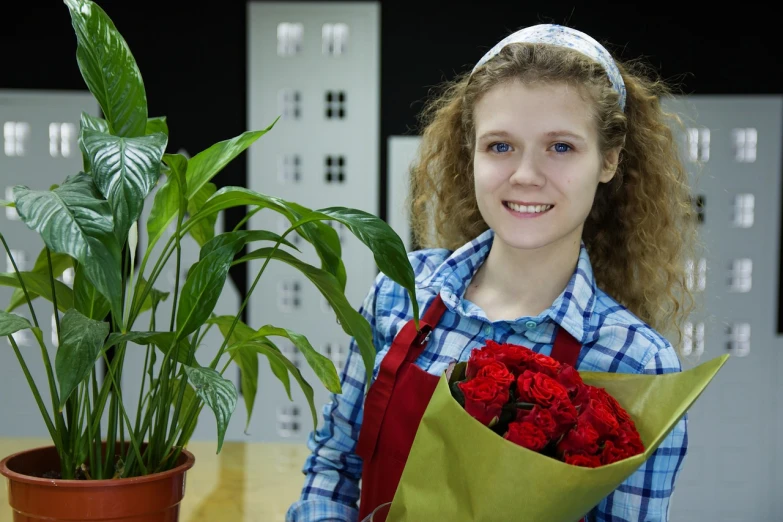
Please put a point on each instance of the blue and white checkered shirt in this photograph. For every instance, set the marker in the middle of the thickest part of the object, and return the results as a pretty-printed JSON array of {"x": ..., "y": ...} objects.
[{"x": 613, "y": 339}]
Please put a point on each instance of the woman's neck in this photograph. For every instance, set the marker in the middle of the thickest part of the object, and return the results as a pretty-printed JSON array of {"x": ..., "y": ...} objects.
[{"x": 515, "y": 283}]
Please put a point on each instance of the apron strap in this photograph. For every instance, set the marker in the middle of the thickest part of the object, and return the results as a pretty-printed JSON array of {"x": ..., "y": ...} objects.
[
  {"x": 407, "y": 346},
  {"x": 566, "y": 349}
]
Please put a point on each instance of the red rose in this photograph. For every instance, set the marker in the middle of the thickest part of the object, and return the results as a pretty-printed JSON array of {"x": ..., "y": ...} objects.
[
  {"x": 497, "y": 370},
  {"x": 541, "y": 418},
  {"x": 484, "y": 398},
  {"x": 612, "y": 453},
  {"x": 600, "y": 416},
  {"x": 479, "y": 358},
  {"x": 583, "y": 438},
  {"x": 587, "y": 461},
  {"x": 565, "y": 416},
  {"x": 540, "y": 389},
  {"x": 581, "y": 397},
  {"x": 545, "y": 364},
  {"x": 527, "y": 435},
  {"x": 516, "y": 358},
  {"x": 603, "y": 396},
  {"x": 570, "y": 380},
  {"x": 628, "y": 439}
]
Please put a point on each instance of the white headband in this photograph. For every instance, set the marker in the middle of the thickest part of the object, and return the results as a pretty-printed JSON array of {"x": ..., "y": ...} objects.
[{"x": 564, "y": 37}]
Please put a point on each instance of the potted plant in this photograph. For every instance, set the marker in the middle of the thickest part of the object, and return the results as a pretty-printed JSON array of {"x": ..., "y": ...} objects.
[{"x": 90, "y": 222}]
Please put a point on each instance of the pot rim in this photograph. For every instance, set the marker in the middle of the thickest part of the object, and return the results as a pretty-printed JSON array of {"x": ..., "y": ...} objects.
[{"x": 190, "y": 460}]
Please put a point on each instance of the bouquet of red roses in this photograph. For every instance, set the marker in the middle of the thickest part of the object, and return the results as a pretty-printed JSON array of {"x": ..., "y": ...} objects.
[
  {"x": 514, "y": 435},
  {"x": 538, "y": 403}
]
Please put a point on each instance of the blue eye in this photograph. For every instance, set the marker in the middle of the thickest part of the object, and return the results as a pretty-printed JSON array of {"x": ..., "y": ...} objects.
[
  {"x": 562, "y": 147},
  {"x": 501, "y": 147}
]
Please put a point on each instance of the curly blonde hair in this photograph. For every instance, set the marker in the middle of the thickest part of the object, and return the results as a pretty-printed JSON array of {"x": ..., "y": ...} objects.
[{"x": 641, "y": 229}]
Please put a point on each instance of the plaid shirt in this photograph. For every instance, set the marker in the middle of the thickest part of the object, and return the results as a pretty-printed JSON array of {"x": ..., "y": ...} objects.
[{"x": 613, "y": 340}]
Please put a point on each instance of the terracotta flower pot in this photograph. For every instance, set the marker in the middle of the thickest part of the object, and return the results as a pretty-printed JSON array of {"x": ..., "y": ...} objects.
[{"x": 153, "y": 498}]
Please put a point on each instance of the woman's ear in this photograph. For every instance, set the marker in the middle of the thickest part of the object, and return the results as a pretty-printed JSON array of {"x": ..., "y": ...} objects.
[{"x": 609, "y": 166}]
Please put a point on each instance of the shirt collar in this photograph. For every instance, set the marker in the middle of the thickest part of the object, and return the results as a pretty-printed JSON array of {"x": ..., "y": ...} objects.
[{"x": 572, "y": 309}]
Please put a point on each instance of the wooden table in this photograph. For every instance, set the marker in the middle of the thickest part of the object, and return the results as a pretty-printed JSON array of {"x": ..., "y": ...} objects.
[{"x": 247, "y": 482}]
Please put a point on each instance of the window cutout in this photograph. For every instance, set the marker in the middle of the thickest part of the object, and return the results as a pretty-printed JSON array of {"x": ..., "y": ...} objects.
[
  {"x": 20, "y": 256},
  {"x": 61, "y": 137},
  {"x": 288, "y": 420},
  {"x": 10, "y": 212},
  {"x": 739, "y": 339},
  {"x": 696, "y": 275},
  {"x": 15, "y": 134},
  {"x": 698, "y": 203},
  {"x": 337, "y": 353},
  {"x": 334, "y": 39},
  {"x": 699, "y": 144},
  {"x": 289, "y": 104},
  {"x": 741, "y": 275},
  {"x": 289, "y": 169},
  {"x": 745, "y": 141},
  {"x": 693, "y": 339},
  {"x": 744, "y": 205},
  {"x": 288, "y": 295},
  {"x": 335, "y": 105},
  {"x": 335, "y": 169},
  {"x": 289, "y": 38}
]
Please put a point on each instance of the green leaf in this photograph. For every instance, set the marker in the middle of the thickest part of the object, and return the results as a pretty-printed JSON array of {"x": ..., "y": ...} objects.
[
  {"x": 87, "y": 300},
  {"x": 60, "y": 263},
  {"x": 74, "y": 220},
  {"x": 12, "y": 323},
  {"x": 4, "y": 203},
  {"x": 323, "y": 237},
  {"x": 187, "y": 399},
  {"x": 90, "y": 122},
  {"x": 81, "y": 340},
  {"x": 206, "y": 164},
  {"x": 205, "y": 281},
  {"x": 218, "y": 393},
  {"x": 247, "y": 361},
  {"x": 387, "y": 247},
  {"x": 326, "y": 242},
  {"x": 322, "y": 366},
  {"x": 168, "y": 199},
  {"x": 39, "y": 284},
  {"x": 109, "y": 69},
  {"x": 353, "y": 323},
  {"x": 204, "y": 229},
  {"x": 125, "y": 171},
  {"x": 154, "y": 297},
  {"x": 268, "y": 348},
  {"x": 157, "y": 124}
]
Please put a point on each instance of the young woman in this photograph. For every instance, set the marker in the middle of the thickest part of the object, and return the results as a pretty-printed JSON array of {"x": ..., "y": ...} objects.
[{"x": 553, "y": 212}]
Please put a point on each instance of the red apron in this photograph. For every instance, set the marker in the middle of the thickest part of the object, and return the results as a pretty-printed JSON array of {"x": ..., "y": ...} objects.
[{"x": 396, "y": 403}]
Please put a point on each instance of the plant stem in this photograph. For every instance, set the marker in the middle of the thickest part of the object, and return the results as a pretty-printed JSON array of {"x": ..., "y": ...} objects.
[
  {"x": 49, "y": 425},
  {"x": 127, "y": 420},
  {"x": 54, "y": 295},
  {"x": 21, "y": 281}
]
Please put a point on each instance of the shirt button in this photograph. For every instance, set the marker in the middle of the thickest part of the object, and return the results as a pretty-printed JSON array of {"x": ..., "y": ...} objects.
[
  {"x": 531, "y": 324},
  {"x": 488, "y": 329}
]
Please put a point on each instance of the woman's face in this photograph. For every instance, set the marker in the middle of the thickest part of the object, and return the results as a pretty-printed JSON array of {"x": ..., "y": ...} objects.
[{"x": 537, "y": 163}]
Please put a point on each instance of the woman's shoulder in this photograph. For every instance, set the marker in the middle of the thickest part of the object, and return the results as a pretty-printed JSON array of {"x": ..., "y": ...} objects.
[{"x": 624, "y": 343}]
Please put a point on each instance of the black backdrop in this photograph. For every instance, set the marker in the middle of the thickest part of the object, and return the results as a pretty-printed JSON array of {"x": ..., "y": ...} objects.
[{"x": 193, "y": 59}]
